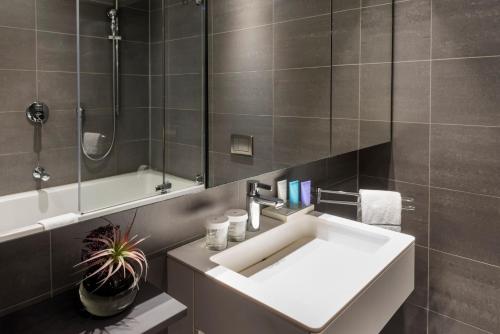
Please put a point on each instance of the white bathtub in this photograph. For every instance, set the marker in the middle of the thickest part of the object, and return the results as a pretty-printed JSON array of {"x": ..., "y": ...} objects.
[{"x": 36, "y": 211}]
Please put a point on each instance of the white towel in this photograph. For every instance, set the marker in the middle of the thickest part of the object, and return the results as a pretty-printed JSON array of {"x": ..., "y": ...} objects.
[
  {"x": 381, "y": 208},
  {"x": 91, "y": 142}
]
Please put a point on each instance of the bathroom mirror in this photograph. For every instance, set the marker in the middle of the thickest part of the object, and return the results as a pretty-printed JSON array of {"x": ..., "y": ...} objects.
[
  {"x": 141, "y": 97},
  {"x": 296, "y": 82}
]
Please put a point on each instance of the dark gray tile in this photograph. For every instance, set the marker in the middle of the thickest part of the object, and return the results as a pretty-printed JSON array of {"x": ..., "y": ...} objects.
[
  {"x": 184, "y": 160},
  {"x": 185, "y": 56},
  {"x": 238, "y": 14},
  {"x": 17, "y": 90},
  {"x": 157, "y": 87},
  {"x": 439, "y": 324},
  {"x": 131, "y": 156},
  {"x": 95, "y": 55},
  {"x": 413, "y": 222},
  {"x": 345, "y": 133},
  {"x": 58, "y": 89},
  {"x": 376, "y": 34},
  {"x": 61, "y": 164},
  {"x": 465, "y": 290},
  {"x": 138, "y": 4},
  {"x": 157, "y": 271},
  {"x": 17, "y": 134},
  {"x": 419, "y": 295},
  {"x": 157, "y": 115},
  {"x": 412, "y": 36},
  {"x": 411, "y": 92},
  {"x": 180, "y": 280},
  {"x": 466, "y": 225},
  {"x": 134, "y": 58},
  {"x": 409, "y": 319},
  {"x": 133, "y": 124},
  {"x": 60, "y": 131},
  {"x": 157, "y": 52},
  {"x": 406, "y": 159},
  {"x": 184, "y": 92},
  {"x": 184, "y": 126},
  {"x": 345, "y": 4},
  {"x": 480, "y": 38},
  {"x": 260, "y": 127},
  {"x": 345, "y": 86},
  {"x": 227, "y": 168},
  {"x": 25, "y": 269},
  {"x": 56, "y": 15},
  {"x": 294, "y": 9},
  {"x": 96, "y": 91},
  {"x": 372, "y": 133},
  {"x": 134, "y": 25},
  {"x": 18, "y": 13},
  {"x": 465, "y": 158},
  {"x": 345, "y": 30},
  {"x": 158, "y": 26},
  {"x": 375, "y": 95},
  {"x": 15, "y": 173},
  {"x": 56, "y": 52},
  {"x": 92, "y": 170},
  {"x": 303, "y": 43},
  {"x": 465, "y": 85},
  {"x": 300, "y": 140},
  {"x": 302, "y": 92},
  {"x": 244, "y": 50},
  {"x": 184, "y": 20},
  {"x": 134, "y": 91},
  {"x": 92, "y": 21},
  {"x": 18, "y": 49},
  {"x": 243, "y": 93}
]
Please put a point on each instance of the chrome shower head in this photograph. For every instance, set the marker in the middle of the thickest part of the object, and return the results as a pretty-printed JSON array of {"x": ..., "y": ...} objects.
[{"x": 112, "y": 13}]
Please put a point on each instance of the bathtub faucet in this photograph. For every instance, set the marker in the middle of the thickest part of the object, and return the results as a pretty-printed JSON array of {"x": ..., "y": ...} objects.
[{"x": 40, "y": 174}]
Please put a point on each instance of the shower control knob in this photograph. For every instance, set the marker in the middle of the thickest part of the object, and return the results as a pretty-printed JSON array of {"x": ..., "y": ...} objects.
[{"x": 37, "y": 113}]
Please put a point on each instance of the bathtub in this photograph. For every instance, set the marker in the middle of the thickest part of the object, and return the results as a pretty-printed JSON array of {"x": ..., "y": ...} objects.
[{"x": 41, "y": 210}]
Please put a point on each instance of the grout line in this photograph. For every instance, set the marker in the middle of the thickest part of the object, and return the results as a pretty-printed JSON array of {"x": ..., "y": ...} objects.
[
  {"x": 465, "y": 258},
  {"x": 358, "y": 155},
  {"x": 273, "y": 90},
  {"x": 429, "y": 169},
  {"x": 459, "y": 321}
]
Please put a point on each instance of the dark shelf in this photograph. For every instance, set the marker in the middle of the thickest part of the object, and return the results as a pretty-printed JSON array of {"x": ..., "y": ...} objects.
[{"x": 152, "y": 312}]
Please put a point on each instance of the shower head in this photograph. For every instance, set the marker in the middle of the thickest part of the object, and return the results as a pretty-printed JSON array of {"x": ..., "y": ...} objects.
[{"x": 112, "y": 13}]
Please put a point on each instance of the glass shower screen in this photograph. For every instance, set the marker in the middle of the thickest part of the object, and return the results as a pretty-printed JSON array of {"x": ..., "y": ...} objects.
[{"x": 141, "y": 96}]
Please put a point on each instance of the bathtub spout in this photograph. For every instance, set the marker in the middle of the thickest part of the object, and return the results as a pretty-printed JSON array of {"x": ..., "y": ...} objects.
[{"x": 40, "y": 174}]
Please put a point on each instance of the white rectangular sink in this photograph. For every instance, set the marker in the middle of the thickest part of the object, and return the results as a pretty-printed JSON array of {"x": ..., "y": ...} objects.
[{"x": 323, "y": 273}]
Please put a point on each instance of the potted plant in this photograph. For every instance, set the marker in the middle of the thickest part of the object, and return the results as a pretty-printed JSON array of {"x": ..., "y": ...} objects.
[{"x": 112, "y": 265}]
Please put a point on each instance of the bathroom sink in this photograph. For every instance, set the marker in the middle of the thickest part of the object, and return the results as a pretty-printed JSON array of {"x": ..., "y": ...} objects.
[{"x": 324, "y": 273}]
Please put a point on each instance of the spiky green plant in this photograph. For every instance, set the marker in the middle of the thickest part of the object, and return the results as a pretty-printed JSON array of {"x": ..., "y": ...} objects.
[{"x": 107, "y": 254}]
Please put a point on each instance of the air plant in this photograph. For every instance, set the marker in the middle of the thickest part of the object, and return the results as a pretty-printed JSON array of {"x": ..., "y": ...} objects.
[{"x": 112, "y": 260}]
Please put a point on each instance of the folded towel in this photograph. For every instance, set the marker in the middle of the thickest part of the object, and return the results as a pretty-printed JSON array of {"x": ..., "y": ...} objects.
[
  {"x": 380, "y": 208},
  {"x": 92, "y": 142}
]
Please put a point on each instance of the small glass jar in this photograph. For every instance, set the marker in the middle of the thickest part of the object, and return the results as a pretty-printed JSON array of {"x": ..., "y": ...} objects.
[
  {"x": 237, "y": 224},
  {"x": 217, "y": 227}
]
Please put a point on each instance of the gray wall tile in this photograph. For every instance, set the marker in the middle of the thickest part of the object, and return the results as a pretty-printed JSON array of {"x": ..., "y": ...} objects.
[
  {"x": 480, "y": 38},
  {"x": 302, "y": 92},
  {"x": 372, "y": 133},
  {"x": 411, "y": 92},
  {"x": 409, "y": 319},
  {"x": 248, "y": 93},
  {"x": 58, "y": 89},
  {"x": 345, "y": 135},
  {"x": 56, "y": 15},
  {"x": 228, "y": 168},
  {"x": 56, "y": 52},
  {"x": 238, "y": 14},
  {"x": 132, "y": 155},
  {"x": 18, "y": 13},
  {"x": 16, "y": 134},
  {"x": 465, "y": 158},
  {"x": 303, "y": 43},
  {"x": 345, "y": 4},
  {"x": 299, "y": 140},
  {"x": 184, "y": 126},
  {"x": 465, "y": 290},
  {"x": 184, "y": 56},
  {"x": 472, "y": 220},
  {"x": 18, "y": 49},
  {"x": 184, "y": 20},
  {"x": 375, "y": 96},
  {"x": 184, "y": 91},
  {"x": 134, "y": 58},
  {"x": 345, "y": 95},
  {"x": 293, "y": 9},
  {"x": 16, "y": 179},
  {"x": 412, "y": 30},
  {"x": 95, "y": 55},
  {"x": 25, "y": 269},
  {"x": 184, "y": 160},
  {"x": 376, "y": 34},
  {"x": 345, "y": 30},
  {"x": 244, "y": 50},
  {"x": 17, "y": 89},
  {"x": 465, "y": 91}
]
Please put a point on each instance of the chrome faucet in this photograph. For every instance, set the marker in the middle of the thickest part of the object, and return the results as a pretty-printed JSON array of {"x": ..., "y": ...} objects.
[
  {"x": 40, "y": 174},
  {"x": 255, "y": 200}
]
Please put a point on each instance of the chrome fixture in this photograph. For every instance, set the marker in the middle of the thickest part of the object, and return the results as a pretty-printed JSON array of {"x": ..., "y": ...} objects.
[
  {"x": 255, "y": 200},
  {"x": 37, "y": 113},
  {"x": 164, "y": 187},
  {"x": 40, "y": 174},
  {"x": 115, "y": 38}
]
